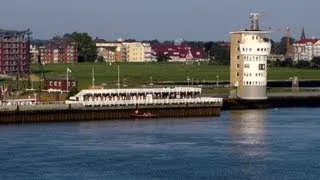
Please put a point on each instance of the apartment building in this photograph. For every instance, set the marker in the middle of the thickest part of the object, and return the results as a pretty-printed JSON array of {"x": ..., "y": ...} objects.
[
  {"x": 124, "y": 51},
  {"x": 14, "y": 52},
  {"x": 135, "y": 51},
  {"x": 306, "y": 49},
  {"x": 111, "y": 51},
  {"x": 179, "y": 52},
  {"x": 59, "y": 51}
]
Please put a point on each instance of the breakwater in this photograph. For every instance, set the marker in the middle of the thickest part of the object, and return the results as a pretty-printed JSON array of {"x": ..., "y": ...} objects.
[
  {"x": 75, "y": 112},
  {"x": 271, "y": 102}
]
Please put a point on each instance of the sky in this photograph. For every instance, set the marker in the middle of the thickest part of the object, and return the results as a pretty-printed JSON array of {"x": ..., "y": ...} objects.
[{"x": 203, "y": 20}]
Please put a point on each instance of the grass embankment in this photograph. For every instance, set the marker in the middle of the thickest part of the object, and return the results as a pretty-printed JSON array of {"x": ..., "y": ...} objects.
[
  {"x": 139, "y": 74},
  {"x": 135, "y": 74}
]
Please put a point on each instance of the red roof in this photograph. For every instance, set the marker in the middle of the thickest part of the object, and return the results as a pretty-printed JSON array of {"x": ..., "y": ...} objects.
[
  {"x": 305, "y": 41},
  {"x": 181, "y": 51}
]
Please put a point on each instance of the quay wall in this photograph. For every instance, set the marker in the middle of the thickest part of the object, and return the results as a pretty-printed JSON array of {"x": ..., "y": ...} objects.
[
  {"x": 66, "y": 113},
  {"x": 271, "y": 102}
]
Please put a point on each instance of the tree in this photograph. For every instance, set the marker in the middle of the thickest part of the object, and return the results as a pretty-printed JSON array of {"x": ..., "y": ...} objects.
[
  {"x": 86, "y": 47},
  {"x": 220, "y": 53},
  {"x": 287, "y": 63},
  {"x": 100, "y": 59},
  {"x": 303, "y": 64},
  {"x": 277, "y": 63},
  {"x": 72, "y": 92},
  {"x": 162, "y": 58},
  {"x": 316, "y": 61},
  {"x": 282, "y": 46}
]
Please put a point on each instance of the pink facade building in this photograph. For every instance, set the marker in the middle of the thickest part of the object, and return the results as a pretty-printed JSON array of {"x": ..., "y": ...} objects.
[{"x": 179, "y": 52}]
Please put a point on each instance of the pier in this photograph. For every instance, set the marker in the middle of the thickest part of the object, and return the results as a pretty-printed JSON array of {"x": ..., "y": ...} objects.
[{"x": 105, "y": 104}]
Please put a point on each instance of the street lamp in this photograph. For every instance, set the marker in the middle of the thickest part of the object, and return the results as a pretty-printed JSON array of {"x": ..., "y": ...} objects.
[
  {"x": 188, "y": 80},
  {"x": 217, "y": 81}
]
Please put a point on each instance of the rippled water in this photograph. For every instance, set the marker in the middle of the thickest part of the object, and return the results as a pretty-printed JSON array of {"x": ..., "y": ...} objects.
[{"x": 255, "y": 144}]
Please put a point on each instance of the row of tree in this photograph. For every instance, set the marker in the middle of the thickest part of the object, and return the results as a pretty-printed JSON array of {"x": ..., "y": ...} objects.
[
  {"x": 218, "y": 52},
  {"x": 314, "y": 63}
]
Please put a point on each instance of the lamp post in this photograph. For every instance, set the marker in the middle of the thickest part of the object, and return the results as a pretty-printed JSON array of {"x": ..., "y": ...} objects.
[
  {"x": 217, "y": 83},
  {"x": 188, "y": 80}
]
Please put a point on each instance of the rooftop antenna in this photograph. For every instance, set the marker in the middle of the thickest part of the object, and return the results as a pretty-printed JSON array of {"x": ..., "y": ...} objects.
[{"x": 254, "y": 18}]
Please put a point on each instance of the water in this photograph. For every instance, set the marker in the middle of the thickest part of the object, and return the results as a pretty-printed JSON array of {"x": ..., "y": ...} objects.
[{"x": 255, "y": 144}]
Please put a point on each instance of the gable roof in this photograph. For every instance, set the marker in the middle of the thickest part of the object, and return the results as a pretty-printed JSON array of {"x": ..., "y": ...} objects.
[{"x": 305, "y": 41}]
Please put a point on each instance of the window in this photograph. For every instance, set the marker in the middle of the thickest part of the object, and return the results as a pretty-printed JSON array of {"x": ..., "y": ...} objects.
[
  {"x": 246, "y": 65},
  {"x": 59, "y": 83},
  {"x": 238, "y": 65},
  {"x": 51, "y": 83},
  {"x": 237, "y": 74},
  {"x": 238, "y": 49},
  {"x": 258, "y": 49},
  {"x": 238, "y": 57},
  {"x": 262, "y": 66}
]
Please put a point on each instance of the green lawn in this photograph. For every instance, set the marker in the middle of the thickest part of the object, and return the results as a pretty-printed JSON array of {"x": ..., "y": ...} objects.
[{"x": 138, "y": 74}]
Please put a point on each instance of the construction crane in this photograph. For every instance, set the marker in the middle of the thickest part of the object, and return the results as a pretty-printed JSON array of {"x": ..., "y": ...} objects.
[
  {"x": 288, "y": 45},
  {"x": 286, "y": 31}
]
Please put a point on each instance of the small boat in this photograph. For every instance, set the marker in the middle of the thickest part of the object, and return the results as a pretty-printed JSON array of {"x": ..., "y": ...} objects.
[{"x": 138, "y": 115}]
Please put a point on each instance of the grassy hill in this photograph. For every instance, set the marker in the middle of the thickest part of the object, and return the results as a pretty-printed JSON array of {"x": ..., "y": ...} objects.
[{"x": 138, "y": 74}]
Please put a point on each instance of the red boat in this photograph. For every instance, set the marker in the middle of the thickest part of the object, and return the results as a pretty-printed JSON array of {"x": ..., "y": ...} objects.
[{"x": 138, "y": 115}]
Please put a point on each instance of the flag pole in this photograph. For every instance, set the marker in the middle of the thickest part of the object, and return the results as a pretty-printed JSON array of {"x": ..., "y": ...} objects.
[
  {"x": 92, "y": 78},
  {"x": 67, "y": 79}
]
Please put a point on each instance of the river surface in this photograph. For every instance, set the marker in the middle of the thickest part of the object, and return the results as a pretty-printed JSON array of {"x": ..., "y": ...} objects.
[{"x": 253, "y": 144}]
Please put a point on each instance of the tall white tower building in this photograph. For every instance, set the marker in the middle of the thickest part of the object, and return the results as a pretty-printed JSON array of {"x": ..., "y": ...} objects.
[{"x": 248, "y": 67}]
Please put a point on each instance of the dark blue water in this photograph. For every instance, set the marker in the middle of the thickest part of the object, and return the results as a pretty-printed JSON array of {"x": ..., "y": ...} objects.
[{"x": 257, "y": 144}]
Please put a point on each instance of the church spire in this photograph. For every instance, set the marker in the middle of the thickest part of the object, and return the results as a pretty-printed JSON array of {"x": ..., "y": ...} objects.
[{"x": 303, "y": 34}]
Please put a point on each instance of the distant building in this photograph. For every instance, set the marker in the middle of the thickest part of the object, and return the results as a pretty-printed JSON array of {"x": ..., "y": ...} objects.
[
  {"x": 124, "y": 51},
  {"x": 62, "y": 50},
  {"x": 135, "y": 51},
  {"x": 306, "y": 49},
  {"x": 179, "y": 52},
  {"x": 34, "y": 53},
  {"x": 14, "y": 52},
  {"x": 275, "y": 57},
  {"x": 111, "y": 51},
  {"x": 59, "y": 84},
  {"x": 248, "y": 61}
]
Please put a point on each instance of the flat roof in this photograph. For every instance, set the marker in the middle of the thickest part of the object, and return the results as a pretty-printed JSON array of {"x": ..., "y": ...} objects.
[
  {"x": 251, "y": 32},
  {"x": 12, "y": 32}
]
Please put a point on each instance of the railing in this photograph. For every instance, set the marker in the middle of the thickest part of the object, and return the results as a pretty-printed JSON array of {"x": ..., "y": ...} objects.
[
  {"x": 204, "y": 100},
  {"x": 139, "y": 91},
  {"x": 31, "y": 103}
]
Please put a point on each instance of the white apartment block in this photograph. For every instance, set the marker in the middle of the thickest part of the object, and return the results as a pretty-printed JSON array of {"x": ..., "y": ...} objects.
[{"x": 306, "y": 49}]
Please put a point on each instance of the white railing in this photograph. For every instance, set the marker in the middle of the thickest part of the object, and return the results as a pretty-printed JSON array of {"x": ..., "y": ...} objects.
[
  {"x": 138, "y": 91},
  {"x": 31, "y": 103},
  {"x": 203, "y": 100}
]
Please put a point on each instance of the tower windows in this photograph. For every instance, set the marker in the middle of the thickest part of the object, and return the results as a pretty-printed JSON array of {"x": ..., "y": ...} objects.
[{"x": 262, "y": 67}]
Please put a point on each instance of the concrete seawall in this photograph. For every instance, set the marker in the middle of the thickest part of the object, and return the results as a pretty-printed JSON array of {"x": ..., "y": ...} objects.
[
  {"x": 64, "y": 113},
  {"x": 271, "y": 102}
]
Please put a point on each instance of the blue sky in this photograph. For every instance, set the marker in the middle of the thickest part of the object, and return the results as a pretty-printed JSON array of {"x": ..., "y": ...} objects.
[{"x": 157, "y": 19}]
